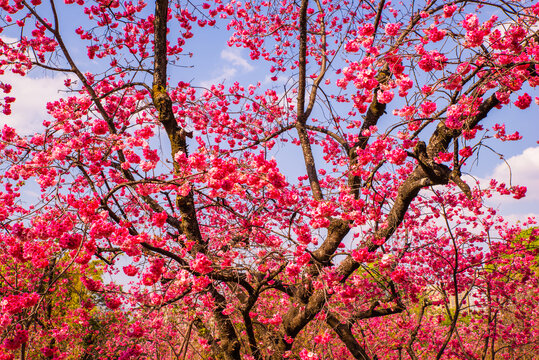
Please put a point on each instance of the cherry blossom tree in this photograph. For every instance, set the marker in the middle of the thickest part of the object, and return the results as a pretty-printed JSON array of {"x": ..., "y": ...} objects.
[{"x": 205, "y": 246}]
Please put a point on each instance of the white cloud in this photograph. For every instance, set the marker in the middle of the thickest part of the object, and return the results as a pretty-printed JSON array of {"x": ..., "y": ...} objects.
[
  {"x": 521, "y": 218},
  {"x": 234, "y": 64},
  {"x": 8, "y": 39},
  {"x": 281, "y": 80},
  {"x": 224, "y": 74},
  {"x": 32, "y": 94},
  {"x": 233, "y": 55},
  {"x": 523, "y": 170}
]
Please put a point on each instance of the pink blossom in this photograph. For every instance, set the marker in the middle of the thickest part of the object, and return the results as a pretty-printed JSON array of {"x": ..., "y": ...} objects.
[
  {"x": 100, "y": 127},
  {"x": 396, "y": 156},
  {"x": 201, "y": 264},
  {"x": 432, "y": 60},
  {"x": 392, "y": 29},
  {"x": 304, "y": 354},
  {"x": 130, "y": 270},
  {"x": 90, "y": 284},
  {"x": 428, "y": 108},
  {"x": 48, "y": 352},
  {"x": 453, "y": 122},
  {"x": 471, "y": 22},
  {"x": 449, "y": 10},
  {"x": 435, "y": 34},
  {"x": 20, "y": 337},
  {"x": 159, "y": 219},
  {"x": 367, "y": 29},
  {"x": 131, "y": 353},
  {"x": 136, "y": 330},
  {"x": 466, "y": 152},
  {"x": 113, "y": 303},
  {"x": 503, "y": 96},
  {"x": 518, "y": 191},
  {"x": 385, "y": 97},
  {"x": 523, "y": 101},
  {"x": 70, "y": 241},
  {"x": 352, "y": 46},
  {"x": 293, "y": 270},
  {"x": 445, "y": 157}
]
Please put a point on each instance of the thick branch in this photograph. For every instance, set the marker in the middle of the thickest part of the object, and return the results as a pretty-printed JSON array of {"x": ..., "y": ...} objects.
[
  {"x": 427, "y": 173},
  {"x": 373, "y": 312},
  {"x": 413, "y": 335},
  {"x": 302, "y": 59},
  {"x": 302, "y": 113},
  {"x": 347, "y": 337},
  {"x": 374, "y": 113},
  {"x": 176, "y": 135},
  {"x": 229, "y": 341}
]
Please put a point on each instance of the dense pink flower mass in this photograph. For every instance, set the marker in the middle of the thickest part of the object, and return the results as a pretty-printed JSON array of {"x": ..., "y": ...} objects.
[{"x": 316, "y": 211}]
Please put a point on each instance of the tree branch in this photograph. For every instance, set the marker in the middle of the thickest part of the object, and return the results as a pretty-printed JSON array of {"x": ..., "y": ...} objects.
[{"x": 347, "y": 337}]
